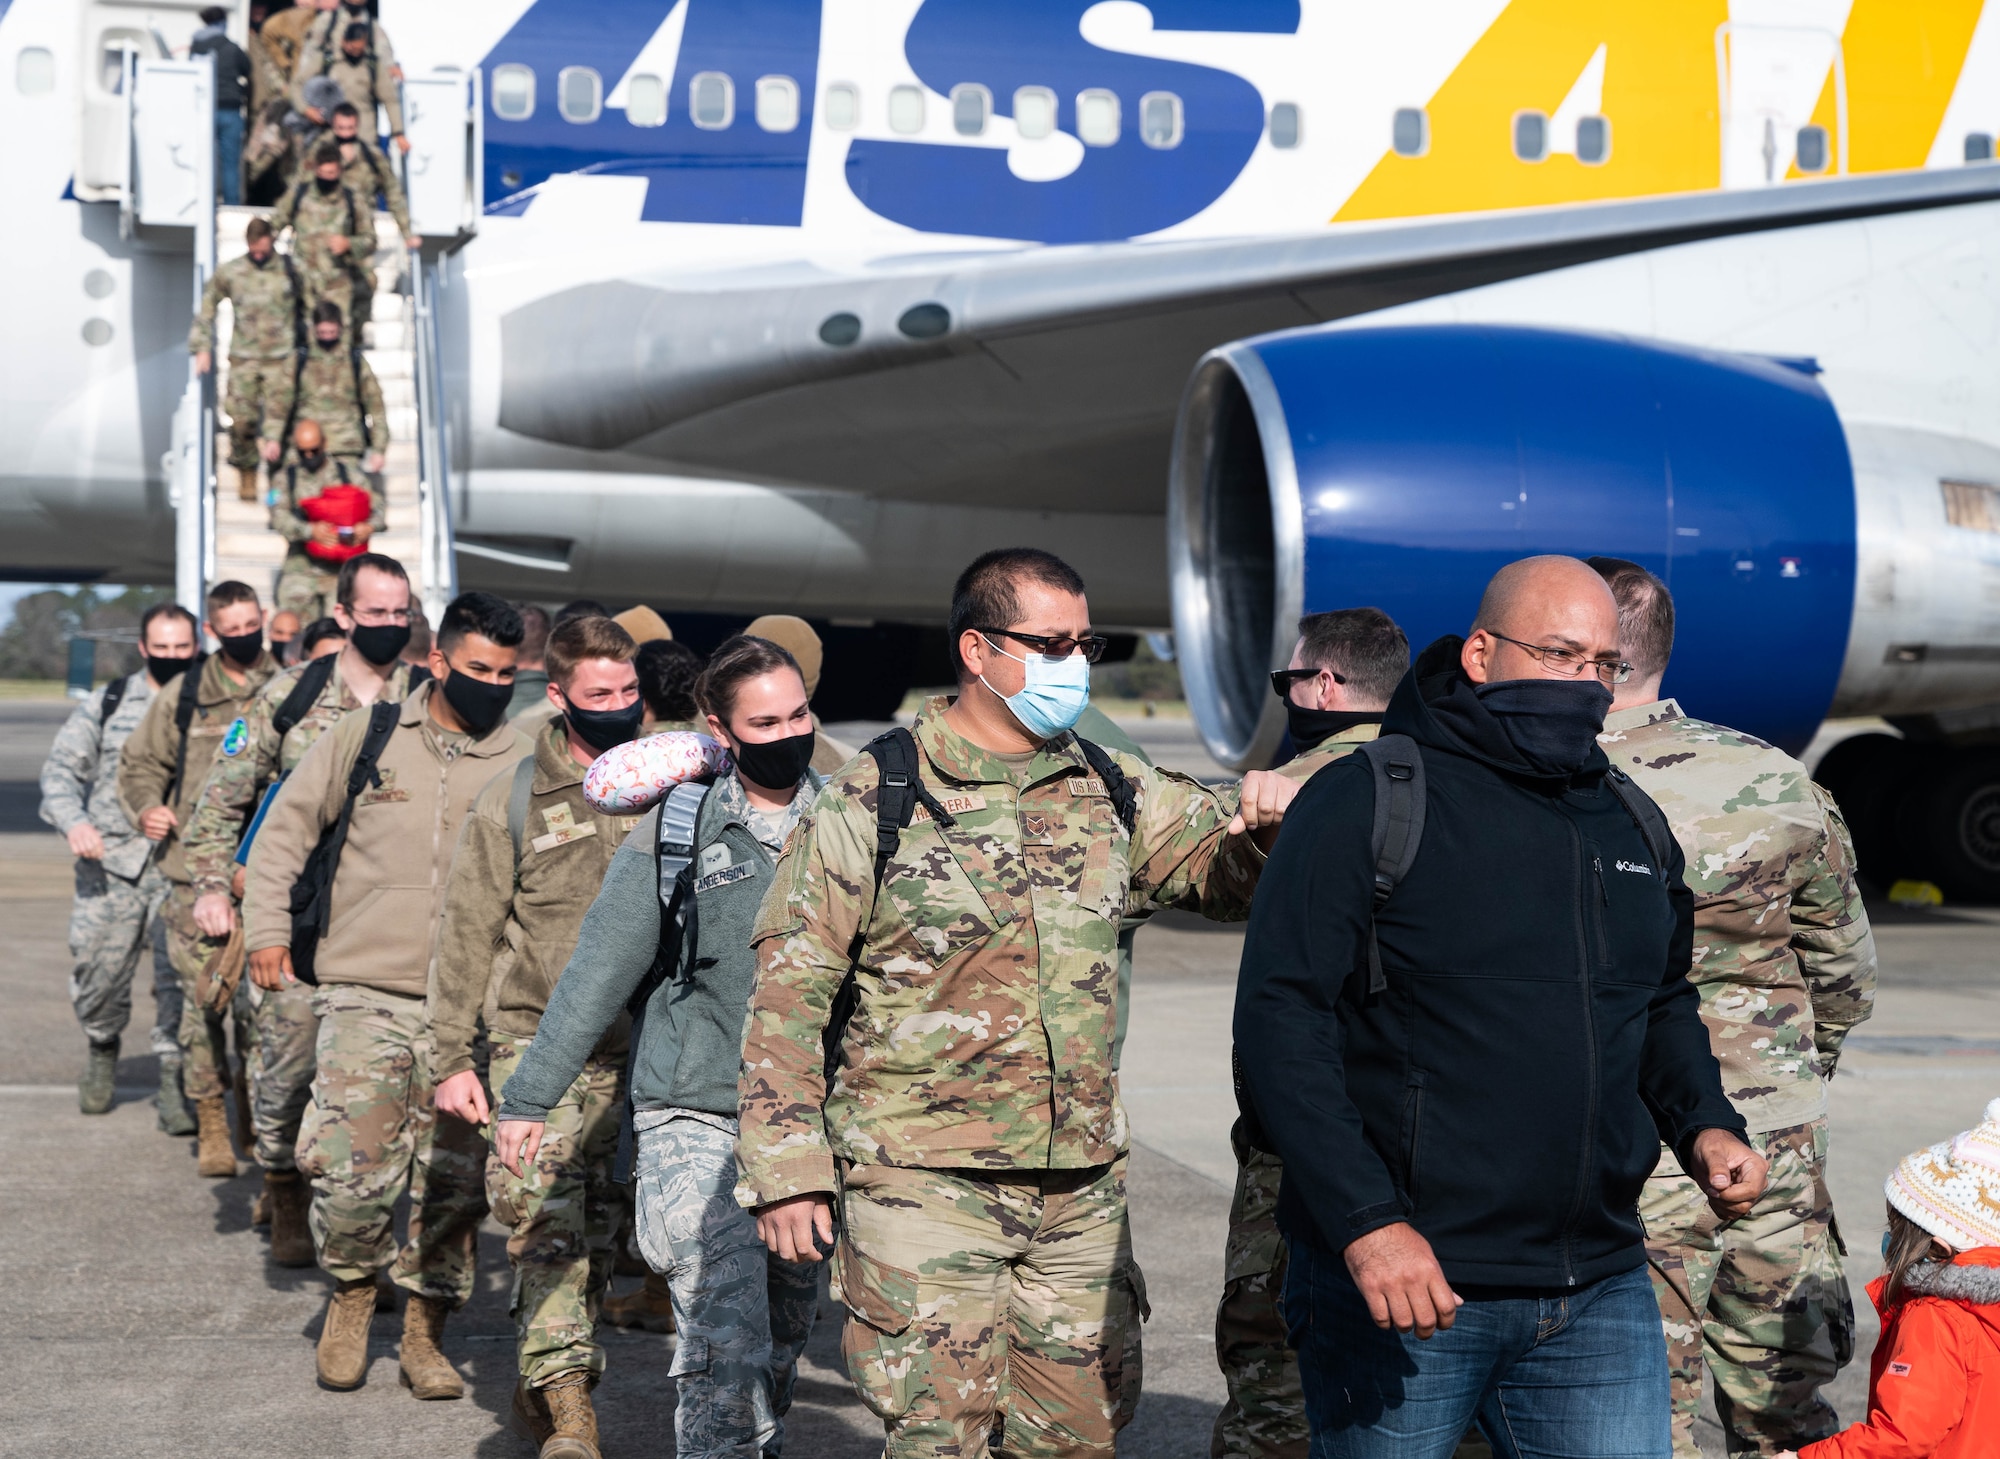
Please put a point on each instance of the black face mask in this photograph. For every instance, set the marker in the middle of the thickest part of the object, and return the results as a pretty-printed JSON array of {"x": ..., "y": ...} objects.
[
  {"x": 312, "y": 460},
  {"x": 327, "y": 344},
  {"x": 775, "y": 764},
  {"x": 1552, "y": 724},
  {"x": 480, "y": 704},
  {"x": 165, "y": 671},
  {"x": 379, "y": 643},
  {"x": 1312, "y": 727},
  {"x": 605, "y": 729},
  {"x": 243, "y": 649},
  {"x": 326, "y": 185}
]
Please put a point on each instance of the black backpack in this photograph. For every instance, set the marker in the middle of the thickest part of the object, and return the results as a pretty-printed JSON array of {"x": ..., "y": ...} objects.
[
  {"x": 189, "y": 701},
  {"x": 312, "y": 894}
]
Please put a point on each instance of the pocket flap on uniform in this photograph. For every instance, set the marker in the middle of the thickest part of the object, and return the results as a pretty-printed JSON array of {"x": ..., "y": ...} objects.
[{"x": 880, "y": 1295}]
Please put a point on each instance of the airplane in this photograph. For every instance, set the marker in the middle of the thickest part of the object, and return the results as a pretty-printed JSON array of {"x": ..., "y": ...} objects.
[{"x": 1245, "y": 307}]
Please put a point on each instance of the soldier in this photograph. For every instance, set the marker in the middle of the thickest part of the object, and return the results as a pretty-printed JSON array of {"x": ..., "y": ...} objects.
[
  {"x": 118, "y": 886},
  {"x": 1785, "y": 962},
  {"x": 362, "y": 62},
  {"x": 284, "y": 34},
  {"x": 333, "y": 236},
  {"x": 667, "y": 674},
  {"x": 531, "y": 861},
  {"x": 160, "y": 777},
  {"x": 326, "y": 507},
  {"x": 265, "y": 341},
  {"x": 1342, "y": 671},
  {"x": 987, "y": 1271},
  {"x": 270, "y": 77},
  {"x": 365, "y": 170},
  {"x": 373, "y": 609},
  {"x": 531, "y": 673},
  {"x": 370, "y": 1131}
]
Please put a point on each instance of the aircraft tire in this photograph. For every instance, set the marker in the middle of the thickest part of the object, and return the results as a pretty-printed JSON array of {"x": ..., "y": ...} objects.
[
  {"x": 1956, "y": 820},
  {"x": 1867, "y": 776}
]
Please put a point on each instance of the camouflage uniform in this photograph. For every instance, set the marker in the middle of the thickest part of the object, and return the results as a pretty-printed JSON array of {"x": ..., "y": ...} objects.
[
  {"x": 1264, "y": 1416},
  {"x": 366, "y": 82},
  {"x": 1785, "y": 963},
  {"x": 269, "y": 302},
  {"x": 117, "y": 896},
  {"x": 270, "y": 76},
  {"x": 287, "y": 1028},
  {"x": 316, "y": 217},
  {"x": 978, "y": 1066},
  {"x": 367, "y": 171},
  {"x": 307, "y": 586}
]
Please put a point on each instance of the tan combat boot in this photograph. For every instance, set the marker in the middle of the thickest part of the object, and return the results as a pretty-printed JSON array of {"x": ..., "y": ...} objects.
[
  {"x": 343, "y": 1340},
  {"x": 574, "y": 1420},
  {"x": 531, "y": 1415},
  {"x": 427, "y": 1373},
  {"x": 215, "y": 1156},
  {"x": 246, "y": 484},
  {"x": 291, "y": 1242},
  {"x": 649, "y": 1307}
]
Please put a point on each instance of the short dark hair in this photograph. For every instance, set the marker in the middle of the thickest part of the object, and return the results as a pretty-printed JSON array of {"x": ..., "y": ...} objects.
[
  {"x": 357, "y": 30},
  {"x": 343, "y": 587},
  {"x": 534, "y": 631},
  {"x": 347, "y": 109},
  {"x": 734, "y": 662},
  {"x": 1645, "y": 614},
  {"x": 667, "y": 673},
  {"x": 485, "y": 614},
  {"x": 228, "y": 593},
  {"x": 328, "y": 312},
  {"x": 984, "y": 595},
  {"x": 1362, "y": 645},
  {"x": 580, "y": 608},
  {"x": 327, "y": 152},
  {"x": 212, "y": 14},
  {"x": 166, "y": 610},
  {"x": 582, "y": 639},
  {"x": 318, "y": 632},
  {"x": 256, "y": 228}
]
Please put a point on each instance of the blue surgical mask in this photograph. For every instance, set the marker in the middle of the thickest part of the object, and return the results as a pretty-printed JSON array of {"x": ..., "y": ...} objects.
[{"x": 1054, "y": 697}]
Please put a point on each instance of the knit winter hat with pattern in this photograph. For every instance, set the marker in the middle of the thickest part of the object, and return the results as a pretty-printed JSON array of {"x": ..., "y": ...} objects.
[{"x": 1952, "y": 1189}]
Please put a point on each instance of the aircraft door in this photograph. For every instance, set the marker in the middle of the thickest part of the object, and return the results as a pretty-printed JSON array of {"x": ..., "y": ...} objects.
[
  {"x": 173, "y": 113},
  {"x": 1770, "y": 80},
  {"x": 110, "y": 33},
  {"x": 441, "y": 119}
]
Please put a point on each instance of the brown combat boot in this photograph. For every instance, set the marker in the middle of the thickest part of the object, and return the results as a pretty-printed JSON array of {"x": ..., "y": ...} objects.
[
  {"x": 649, "y": 1307},
  {"x": 343, "y": 1339},
  {"x": 214, "y": 1154},
  {"x": 531, "y": 1414},
  {"x": 427, "y": 1373},
  {"x": 574, "y": 1420},
  {"x": 246, "y": 484},
  {"x": 290, "y": 1196}
]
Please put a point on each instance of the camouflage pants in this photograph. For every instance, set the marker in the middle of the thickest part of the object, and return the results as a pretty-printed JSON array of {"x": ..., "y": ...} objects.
[
  {"x": 110, "y": 924},
  {"x": 1765, "y": 1296},
  {"x": 743, "y": 1315},
  {"x": 1265, "y": 1415},
  {"x": 561, "y": 1213},
  {"x": 976, "y": 1297},
  {"x": 304, "y": 587},
  {"x": 256, "y": 387},
  {"x": 371, "y": 1130},
  {"x": 281, "y": 1082},
  {"x": 204, "y": 1034}
]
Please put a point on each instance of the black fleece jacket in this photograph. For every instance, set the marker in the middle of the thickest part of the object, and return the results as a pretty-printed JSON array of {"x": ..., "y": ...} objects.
[{"x": 1507, "y": 1095}]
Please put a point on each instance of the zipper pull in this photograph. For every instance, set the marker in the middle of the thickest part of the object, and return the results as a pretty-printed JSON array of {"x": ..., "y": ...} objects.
[{"x": 1597, "y": 865}]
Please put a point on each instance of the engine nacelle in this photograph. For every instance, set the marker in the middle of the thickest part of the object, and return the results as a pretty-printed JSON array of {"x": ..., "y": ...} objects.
[{"x": 1400, "y": 467}]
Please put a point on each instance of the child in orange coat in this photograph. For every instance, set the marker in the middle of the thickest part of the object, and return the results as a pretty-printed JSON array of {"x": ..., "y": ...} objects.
[{"x": 1934, "y": 1385}]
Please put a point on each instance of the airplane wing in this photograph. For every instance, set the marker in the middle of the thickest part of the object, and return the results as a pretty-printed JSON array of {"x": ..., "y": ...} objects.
[{"x": 1046, "y": 377}]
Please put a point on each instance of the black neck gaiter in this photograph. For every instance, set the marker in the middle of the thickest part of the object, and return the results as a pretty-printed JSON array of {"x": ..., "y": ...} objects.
[
  {"x": 1311, "y": 728},
  {"x": 1552, "y": 724}
]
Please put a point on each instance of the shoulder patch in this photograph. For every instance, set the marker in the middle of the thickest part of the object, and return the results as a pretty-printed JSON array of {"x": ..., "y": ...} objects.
[
  {"x": 236, "y": 736},
  {"x": 1087, "y": 785}
]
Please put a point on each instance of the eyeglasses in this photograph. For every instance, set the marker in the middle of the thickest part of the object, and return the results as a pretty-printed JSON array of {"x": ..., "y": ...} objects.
[
  {"x": 1568, "y": 662},
  {"x": 1283, "y": 679},
  {"x": 1092, "y": 647}
]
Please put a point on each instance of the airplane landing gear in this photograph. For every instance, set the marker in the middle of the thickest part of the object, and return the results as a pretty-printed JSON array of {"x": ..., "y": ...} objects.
[{"x": 1927, "y": 812}]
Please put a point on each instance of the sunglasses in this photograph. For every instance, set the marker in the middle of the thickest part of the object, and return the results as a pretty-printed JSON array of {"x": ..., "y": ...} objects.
[{"x": 1283, "y": 679}]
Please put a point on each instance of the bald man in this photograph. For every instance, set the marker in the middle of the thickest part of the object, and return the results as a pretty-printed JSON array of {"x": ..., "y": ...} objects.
[{"x": 1466, "y": 1134}]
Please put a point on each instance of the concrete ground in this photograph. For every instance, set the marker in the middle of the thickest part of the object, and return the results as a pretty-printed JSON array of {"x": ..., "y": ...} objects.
[{"x": 138, "y": 1316}]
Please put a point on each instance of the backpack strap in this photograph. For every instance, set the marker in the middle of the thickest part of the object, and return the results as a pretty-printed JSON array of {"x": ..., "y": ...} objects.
[
  {"x": 1646, "y": 815},
  {"x": 107, "y": 705},
  {"x": 184, "y": 709},
  {"x": 360, "y": 402},
  {"x": 299, "y": 344},
  {"x": 517, "y": 803},
  {"x": 312, "y": 682},
  {"x": 1124, "y": 799},
  {"x": 1398, "y": 767}
]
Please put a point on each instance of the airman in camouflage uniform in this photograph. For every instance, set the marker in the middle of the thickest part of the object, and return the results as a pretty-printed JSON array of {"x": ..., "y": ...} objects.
[
  {"x": 1785, "y": 962},
  {"x": 363, "y": 167},
  {"x": 269, "y": 297},
  {"x": 306, "y": 584},
  {"x": 319, "y": 209},
  {"x": 366, "y": 78}
]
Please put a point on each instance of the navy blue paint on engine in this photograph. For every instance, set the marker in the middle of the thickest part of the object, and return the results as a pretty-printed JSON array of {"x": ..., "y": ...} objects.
[{"x": 1428, "y": 456}]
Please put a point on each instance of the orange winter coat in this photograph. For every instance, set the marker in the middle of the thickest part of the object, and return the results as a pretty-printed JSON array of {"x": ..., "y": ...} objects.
[{"x": 1934, "y": 1385}]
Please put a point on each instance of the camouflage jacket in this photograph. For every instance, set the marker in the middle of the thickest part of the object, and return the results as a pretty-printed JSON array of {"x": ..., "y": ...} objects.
[
  {"x": 365, "y": 82},
  {"x": 236, "y": 783},
  {"x": 315, "y": 218},
  {"x": 1334, "y": 747},
  {"x": 366, "y": 171},
  {"x": 269, "y": 78},
  {"x": 80, "y": 777},
  {"x": 293, "y": 484},
  {"x": 284, "y": 33},
  {"x": 987, "y": 969},
  {"x": 353, "y": 425},
  {"x": 269, "y": 302},
  {"x": 1783, "y": 954}
]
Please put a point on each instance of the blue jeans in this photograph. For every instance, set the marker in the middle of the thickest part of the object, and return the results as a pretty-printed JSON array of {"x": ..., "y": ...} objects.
[
  {"x": 1581, "y": 1375},
  {"x": 229, "y": 155}
]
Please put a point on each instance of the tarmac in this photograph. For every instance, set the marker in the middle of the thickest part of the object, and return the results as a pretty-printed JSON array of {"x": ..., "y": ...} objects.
[{"x": 139, "y": 1317}]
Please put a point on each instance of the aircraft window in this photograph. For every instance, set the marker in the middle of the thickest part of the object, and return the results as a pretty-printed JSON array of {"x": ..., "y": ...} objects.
[
  {"x": 712, "y": 100},
  {"x": 1531, "y": 135},
  {"x": 971, "y": 104},
  {"x": 840, "y": 330},
  {"x": 1034, "y": 112},
  {"x": 1285, "y": 124},
  {"x": 1971, "y": 504},
  {"x": 1812, "y": 149},
  {"x": 112, "y": 46},
  {"x": 513, "y": 93},
  {"x": 579, "y": 94},
  {"x": 777, "y": 103},
  {"x": 1097, "y": 117},
  {"x": 1593, "y": 140},
  {"x": 645, "y": 100},
  {"x": 1410, "y": 133},
  {"x": 924, "y": 321},
  {"x": 1160, "y": 119},
  {"x": 35, "y": 71},
  {"x": 1978, "y": 145},
  {"x": 906, "y": 109},
  {"x": 842, "y": 108}
]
